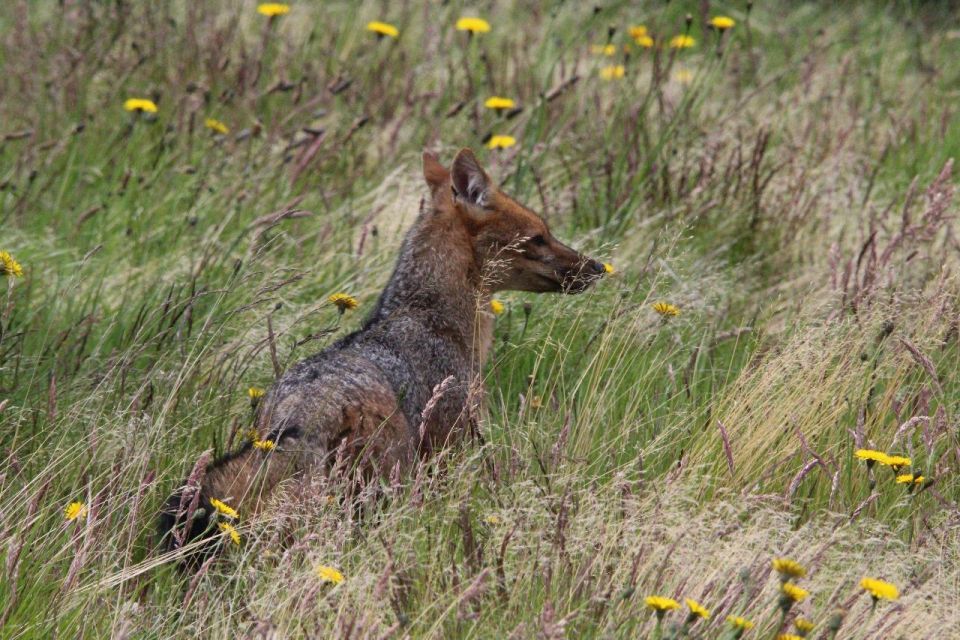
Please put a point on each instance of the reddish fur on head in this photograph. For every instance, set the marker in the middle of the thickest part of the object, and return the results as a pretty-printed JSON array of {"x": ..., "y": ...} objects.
[{"x": 510, "y": 242}]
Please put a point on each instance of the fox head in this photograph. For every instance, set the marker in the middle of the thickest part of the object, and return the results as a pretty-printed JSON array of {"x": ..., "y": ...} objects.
[{"x": 512, "y": 244}]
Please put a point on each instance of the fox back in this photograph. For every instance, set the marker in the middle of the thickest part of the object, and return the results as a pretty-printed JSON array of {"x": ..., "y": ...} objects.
[{"x": 408, "y": 382}]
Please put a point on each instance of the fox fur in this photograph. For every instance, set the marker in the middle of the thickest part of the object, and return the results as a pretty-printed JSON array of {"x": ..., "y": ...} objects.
[{"x": 363, "y": 397}]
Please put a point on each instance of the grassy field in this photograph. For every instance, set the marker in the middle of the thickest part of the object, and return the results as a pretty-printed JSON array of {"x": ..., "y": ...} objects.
[{"x": 786, "y": 183}]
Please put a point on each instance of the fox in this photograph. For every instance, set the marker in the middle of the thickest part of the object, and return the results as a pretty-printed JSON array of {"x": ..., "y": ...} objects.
[{"x": 365, "y": 397}]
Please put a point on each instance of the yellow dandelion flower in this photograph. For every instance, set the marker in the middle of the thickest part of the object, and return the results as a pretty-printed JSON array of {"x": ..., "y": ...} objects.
[
  {"x": 683, "y": 76},
  {"x": 909, "y": 478},
  {"x": 803, "y": 625},
  {"x": 75, "y": 510},
  {"x": 682, "y": 42},
  {"x": 795, "y": 593},
  {"x": 613, "y": 72},
  {"x": 264, "y": 445},
  {"x": 644, "y": 41},
  {"x": 255, "y": 393},
  {"x": 603, "y": 49},
  {"x": 496, "y": 307},
  {"x": 383, "y": 29},
  {"x": 697, "y": 610},
  {"x": 608, "y": 268},
  {"x": 498, "y": 103},
  {"x": 223, "y": 508},
  {"x": 272, "y": 9},
  {"x": 789, "y": 568},
  {"x": 879, "y": 589},
  {"x": 898, "y": 461},
  {"x": 660, "y": 603},
  {"x": 473, "y": 25},
  {"x": 739, "y": 622},
  {"x": 344, "y": 301},
  {"x": 666, "y": 309},
  {"x": 252, "y": 435},
  {"x": 216, "y": 126},
  {"x": 9, "y": 266},
  {"x": 501, "y": 142},
  {"x": 637, "y": 31},
  {"x": 492, "y": 519},
  {"x": 329, "y": 574},
  {"x": 140, "y": 105},
  {"x": 722, "y": 23},
  {"x": 230, "y": 530},
  {"x": 788, "y": 636},
  {"x": 871, "y": 455}
]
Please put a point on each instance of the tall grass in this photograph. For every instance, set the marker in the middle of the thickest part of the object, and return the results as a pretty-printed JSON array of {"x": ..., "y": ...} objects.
[{"x": 787, "y": 185}]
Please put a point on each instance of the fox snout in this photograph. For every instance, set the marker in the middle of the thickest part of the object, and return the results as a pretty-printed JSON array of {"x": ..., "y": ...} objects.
[{"x": 578, "y": 278}]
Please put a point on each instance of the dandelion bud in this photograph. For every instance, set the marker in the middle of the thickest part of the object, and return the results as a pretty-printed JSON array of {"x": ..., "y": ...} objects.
[
  {"x": 835, "y": 622},
  {"x": 527, "y": 308},
  {"x": 688, "y": 19},
  {"x": 785, "y": 603}
]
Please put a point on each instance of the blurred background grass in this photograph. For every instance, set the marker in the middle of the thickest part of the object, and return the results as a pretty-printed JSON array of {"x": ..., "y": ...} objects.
[{"x": 785, "y": 183}]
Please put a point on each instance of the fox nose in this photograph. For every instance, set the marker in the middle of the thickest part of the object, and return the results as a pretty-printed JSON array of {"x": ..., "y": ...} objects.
[{"x": 597, "y": 268}]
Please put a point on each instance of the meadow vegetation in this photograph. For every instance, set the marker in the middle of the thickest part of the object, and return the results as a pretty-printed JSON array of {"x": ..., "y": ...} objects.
[{"x": 776, "y": 197}]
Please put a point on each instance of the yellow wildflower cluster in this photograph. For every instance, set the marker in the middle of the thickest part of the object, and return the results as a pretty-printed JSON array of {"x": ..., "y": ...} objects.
[
  {"x": 216, "y": 126},
  {"x": 879, "y": 589},
  {"x": 871, "y": 456},
  {"x": 343, "y": 301},
  {"x": 660, "y": 603},
  {"x": 229, "y": 530},
  {"x": 75, "y": 510},
  {"x": 273, "y": 9},
  {"x": 383, "y": 29},
  {"x": 697, "y": 610},
  {"x": 328, "y": 574},
  {"x": 498, "y": 103},
  {"x": 722, "y": 23},
  {"x": 9, "y": 266},
  {"x": 739, "y": 622},
  {"x": 788, "y": 568},
  {"x": 501, "y": 142},
  {"x": 909, "y": 478},
  {"x": 140, "y": 105},
  {"x": 640, "y": 36},
  {"x": 803, "y": 626},
  {"x": 223, "y": 508},
  {"x": 613, "y": 72},
  {"x": 473, "y": 25},
  {"x": 264, "y": 445},
  {"x": 795, "y": 593},
  {"x": 666, "y": 309}
]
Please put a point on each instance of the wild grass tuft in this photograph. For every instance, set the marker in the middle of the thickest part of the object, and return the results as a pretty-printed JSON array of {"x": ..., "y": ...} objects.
[{"x": 777, "y": 204}]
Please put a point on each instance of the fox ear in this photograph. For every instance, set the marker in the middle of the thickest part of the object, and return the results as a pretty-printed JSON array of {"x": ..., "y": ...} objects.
[
  {"x": 434, "y": 173},
  {"x": 470, "y": 182}
]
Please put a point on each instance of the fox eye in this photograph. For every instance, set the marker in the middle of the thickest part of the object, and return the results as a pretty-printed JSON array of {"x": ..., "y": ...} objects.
[{"x": 538, "y": 240}]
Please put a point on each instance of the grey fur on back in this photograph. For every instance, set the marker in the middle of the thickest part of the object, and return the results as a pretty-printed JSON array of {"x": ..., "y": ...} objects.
[{"x": 372, "y": 385}]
